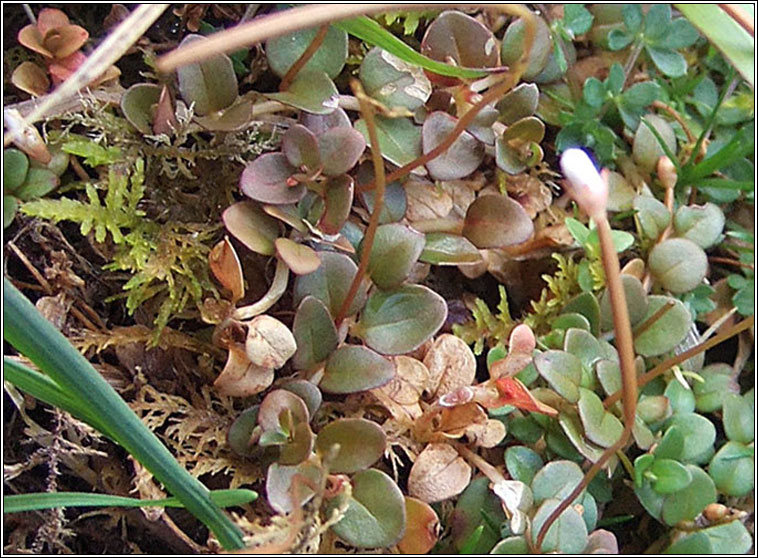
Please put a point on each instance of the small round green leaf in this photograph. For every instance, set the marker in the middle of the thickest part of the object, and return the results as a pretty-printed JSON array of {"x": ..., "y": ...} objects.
[
  {"x": 300, "y": 147},
  {"x": 495, "y": 221},
  {"x": 266, "y": 180},
  {"x": 652, "y": 215},
  {"x": 137, "y": 103},
  {"x": 682, "y": 399},
  {"x": 340, "y": 148},
  {"x": 654, "y": 408},
  {"x": 15, "y": 166},
  {"x": 522, "y": 463},
  {"x": 395, "y": 250},
  {"x": 583, "y": 344},
  {"x": 306, "y": 391},
  {"x": 645, "y": 148},
  {"x": 241, "y": 430},
  {"x": 38, "y": 182},
  {"x": 513, "y": 46},
  {"x": 353, "y": 368},
  {"x": 718, "y": 382},
  {"x": 562, "y": 370},
  {"x": 338, "y": 201},
  {"x": 733, "y": 469},
  {"x": 739, "y": 419},
  {"x": 700, "y": 224},
  {"x": 636, "y": 303},
  {"x": 392, "y": 81},
  {"x": 556, "y": 480},
  {"x": 400, "y": 320},
  {"x": 301, "y": 259},
  {"x": 600, "y": 426},
  {"x": 693, "y": 543},
  {"x": 585, "y": 304},
  {"x": 330, "y": 283},
  {"x": 375, "y": 517},
  {"x": 449, "y": 249},
  {"x": 399, "y": 138},
  {"x": 460, "y": 159},
  {"x": 361, "y": 444},
  {"x": 686, "y": 504},
  {"x": 567, "y": 535},
  {"x": 668, "y": 476},
  {"x": 678, "y": 264},
  {"x": 667, "y": 331},
  {"x": 518, "y": 103},
  {"x": 698, "y": 432},
  {"x": 211, "y": 85},
  {"x": 251, "y": 226},
  {"x": 282, "y": 52},
  {"x": 457, "y": 36},
  {"x": 310, "y": 91},
  {"x": 10, "y": 206},
  {"x": 511, "y": 545}
]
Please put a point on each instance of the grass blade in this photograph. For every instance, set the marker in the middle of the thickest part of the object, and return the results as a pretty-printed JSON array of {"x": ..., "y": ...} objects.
[
  {"x": 35, "y": 337},
  {"x": 371, "y": 32},
  {"x": 724, "y": 33},
  {"x": 46, "y": 500},
  {"x": 43, "y": 388}
]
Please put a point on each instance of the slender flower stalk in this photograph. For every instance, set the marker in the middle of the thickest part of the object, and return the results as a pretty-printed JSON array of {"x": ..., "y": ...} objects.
[{"x": 590, "y": 190}]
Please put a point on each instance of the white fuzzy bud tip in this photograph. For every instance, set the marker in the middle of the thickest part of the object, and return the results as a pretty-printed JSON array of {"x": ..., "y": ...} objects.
[{"x": 589, "y": 189}]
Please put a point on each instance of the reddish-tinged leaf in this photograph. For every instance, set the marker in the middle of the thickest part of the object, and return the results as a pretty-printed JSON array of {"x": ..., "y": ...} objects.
[
  {"x": 66, "y": 40},
  {"x": 340, "y": 148},
  {"x": 513, "y": 392},
  {"x": 62, "y": 69},
  {"x": 226, "y": 267},
  {"x": 338, "y": 200},
  {"x": 164, "y": 121},
  {"x": 51, "y": 18},
  {"x": 301, "y": 148},
  {"x": 30, "y": 78},
  {"x": 265, "y": 180},
  {"x": 31, "y": 38}
]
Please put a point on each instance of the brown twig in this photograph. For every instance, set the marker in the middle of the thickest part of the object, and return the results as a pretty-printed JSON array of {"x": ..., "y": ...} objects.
[
  {"x": 367, "y": 111},
  {"x": 739, "y": 15},
  {"x": 303, "y": 60},
  {"x": 644, "y": 326},
  {"x": 673, "y": 361},
  {"x": 47, "y": 288},
  {"x": 730, "y": 261}
]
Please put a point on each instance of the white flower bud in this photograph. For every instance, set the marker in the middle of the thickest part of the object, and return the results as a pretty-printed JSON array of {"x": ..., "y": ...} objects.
[{"x": 588, "y": 188}]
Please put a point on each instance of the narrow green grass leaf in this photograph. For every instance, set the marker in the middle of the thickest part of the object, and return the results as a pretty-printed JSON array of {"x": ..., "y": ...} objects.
[
  {"x": 46, "y": 500},
  {"x": 725, "y": 34},
  {"x": 43, "y": 388},
  {"x": 32, "y": 335},
  {"x": 371, "y": 32}
]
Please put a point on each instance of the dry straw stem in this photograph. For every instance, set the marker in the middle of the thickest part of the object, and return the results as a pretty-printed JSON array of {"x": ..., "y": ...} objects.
[{"x": 108, "y": 53}]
